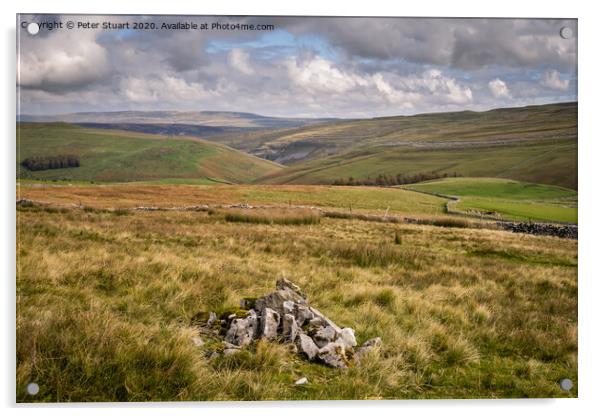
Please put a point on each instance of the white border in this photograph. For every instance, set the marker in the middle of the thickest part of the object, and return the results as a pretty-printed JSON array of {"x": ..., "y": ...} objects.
[{"x": 590, "y": 145}]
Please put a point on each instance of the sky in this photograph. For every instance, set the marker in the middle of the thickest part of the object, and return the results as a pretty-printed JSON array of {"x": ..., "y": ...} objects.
[{"x": 303, "y": 67}]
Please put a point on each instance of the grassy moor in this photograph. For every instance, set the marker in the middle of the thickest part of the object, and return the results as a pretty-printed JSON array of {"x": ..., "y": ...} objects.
[{"x": 115, "y": 255}]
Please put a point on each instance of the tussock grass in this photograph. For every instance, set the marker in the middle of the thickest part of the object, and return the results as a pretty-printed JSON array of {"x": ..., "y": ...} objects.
[
  {"x": 273, "y": 216},
  {"x": 451, "y": 222},
  {"x": 105, "y": 302},
  {"x": 381, "y": 255}
]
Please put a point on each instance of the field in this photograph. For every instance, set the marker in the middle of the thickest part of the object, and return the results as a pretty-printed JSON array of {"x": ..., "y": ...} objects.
[
  {"x": 512, "y": 200},
  {"x": 356, "y": 199},
  {"x": 105, "y": 297},
  {"x": 114, "y": 156}
]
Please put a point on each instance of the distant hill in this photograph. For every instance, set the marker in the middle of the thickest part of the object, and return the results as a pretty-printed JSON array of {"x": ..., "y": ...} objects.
[
  {"x": 118, "y": 156},
  {"x": 222, "y": 119},
  {"x": 534, "y": 144}
]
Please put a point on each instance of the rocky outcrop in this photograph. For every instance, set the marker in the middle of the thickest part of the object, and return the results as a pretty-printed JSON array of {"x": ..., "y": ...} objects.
[{"x": 284, "y": 316}]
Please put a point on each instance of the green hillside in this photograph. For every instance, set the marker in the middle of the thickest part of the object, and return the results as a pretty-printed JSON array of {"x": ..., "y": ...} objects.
[
  {"x": 116, "y": 156},
  {"x": 551, "y": 162},
  {"x": 533, "y": 144},
  {"x": 510, "y": 199}
]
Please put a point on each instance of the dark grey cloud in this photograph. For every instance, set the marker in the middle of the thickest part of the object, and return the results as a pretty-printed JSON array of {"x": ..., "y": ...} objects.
[{"x": 465, "y": 43}]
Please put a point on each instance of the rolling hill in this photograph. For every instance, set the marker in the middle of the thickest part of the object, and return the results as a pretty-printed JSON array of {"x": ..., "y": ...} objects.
[
  {"x": 533, "y": 144},
  {"x": 118, "y": 156}
]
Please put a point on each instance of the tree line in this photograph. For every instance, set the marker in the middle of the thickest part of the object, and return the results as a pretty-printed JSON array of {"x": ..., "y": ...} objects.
[
  {"x": 51, "y": 162},
  {"x": 392, "y": 180}
]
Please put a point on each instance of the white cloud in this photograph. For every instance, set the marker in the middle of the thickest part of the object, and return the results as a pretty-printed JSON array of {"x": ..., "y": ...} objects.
[
  {"x": 63, "y": 60},
  {"x": 239, "y": 60},
  {"x": 498, "y": 88},
  {"x": 551, "y": 79},
  {"x": 318, "y": 75},
  {"x": 162, "y": 88}
]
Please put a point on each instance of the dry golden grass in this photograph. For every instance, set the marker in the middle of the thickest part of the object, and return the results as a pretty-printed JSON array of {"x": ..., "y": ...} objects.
[
  {"x": 105, "y": 298},
  {"x": 356, "y": 199},
  {"x": 283, "y": 216}
]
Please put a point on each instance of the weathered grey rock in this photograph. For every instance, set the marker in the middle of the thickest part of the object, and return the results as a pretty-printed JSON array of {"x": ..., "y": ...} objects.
[
  {"x": 302, "y": 380},
  {"x": 328, "y": 322},
  {"x": 231, "y": 351},
  {"x": 285, "y": 284},
  {"x": 227, "y": 345},
  {"x": 303, "y": 314},
  {"x": 198, "y": 341},
  {"x": 373, "y": 342},
  {"x": 290, "y": 329},
  {"x": 367, "y": 347},
  {"x": 285, "y": 291},
  {"x": 306, "y": 346},
  {"x": 268, "y": 325},
  {"x": 333, "y": 355},
  {"x": 288, "y": 307},
  {"x": 347, "y": 338},
  {"x": 242, "y": 331},
  {"x": 212, "y": 318},
  {"x": 324, "y": 336},
  {"x": 315, "y": 324},
  {"x": 247, "y": 303}
]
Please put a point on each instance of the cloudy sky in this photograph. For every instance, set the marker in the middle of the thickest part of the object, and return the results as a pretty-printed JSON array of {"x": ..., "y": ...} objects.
[{"x": 322, "y": 67}]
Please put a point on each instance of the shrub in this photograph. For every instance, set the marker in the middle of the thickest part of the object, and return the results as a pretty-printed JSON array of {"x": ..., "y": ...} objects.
[
  {"x": 392, "y": 180},
  {"x": 50, "y": 162}
]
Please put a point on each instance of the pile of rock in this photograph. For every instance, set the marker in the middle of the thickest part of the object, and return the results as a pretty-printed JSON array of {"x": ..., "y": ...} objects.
[{"x": 285, "y": 316}]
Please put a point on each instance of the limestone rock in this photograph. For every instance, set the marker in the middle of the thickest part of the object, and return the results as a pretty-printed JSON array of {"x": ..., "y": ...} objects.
[
  {"x": 290, "y": 329},
  {"x": 347, "y": 338},
  {"x": 319, "y": 314},
  {"x": 228, "y": 345},
  {"x": 231, "y": 351},
  {"x": 247, "y": 303},
  {"x": 288, "y": 306},
  {"x": 212, "y": 318},
  {"x": 367, "y": 347},
  {"x": 333, "y": 355},
  {"x": 324, "y": 336},
  {"x": 302, "y": 380},
  {"x": 243, "y": 330},
  {"x": 268, "y": 326},
  {"x": 285, "y": 291},
  {"x": 303, "y": 314},
  {"x": 306, "y": 346},
  {"x": 285, "y": 284},
  {"x": 373, "y": 342}
]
